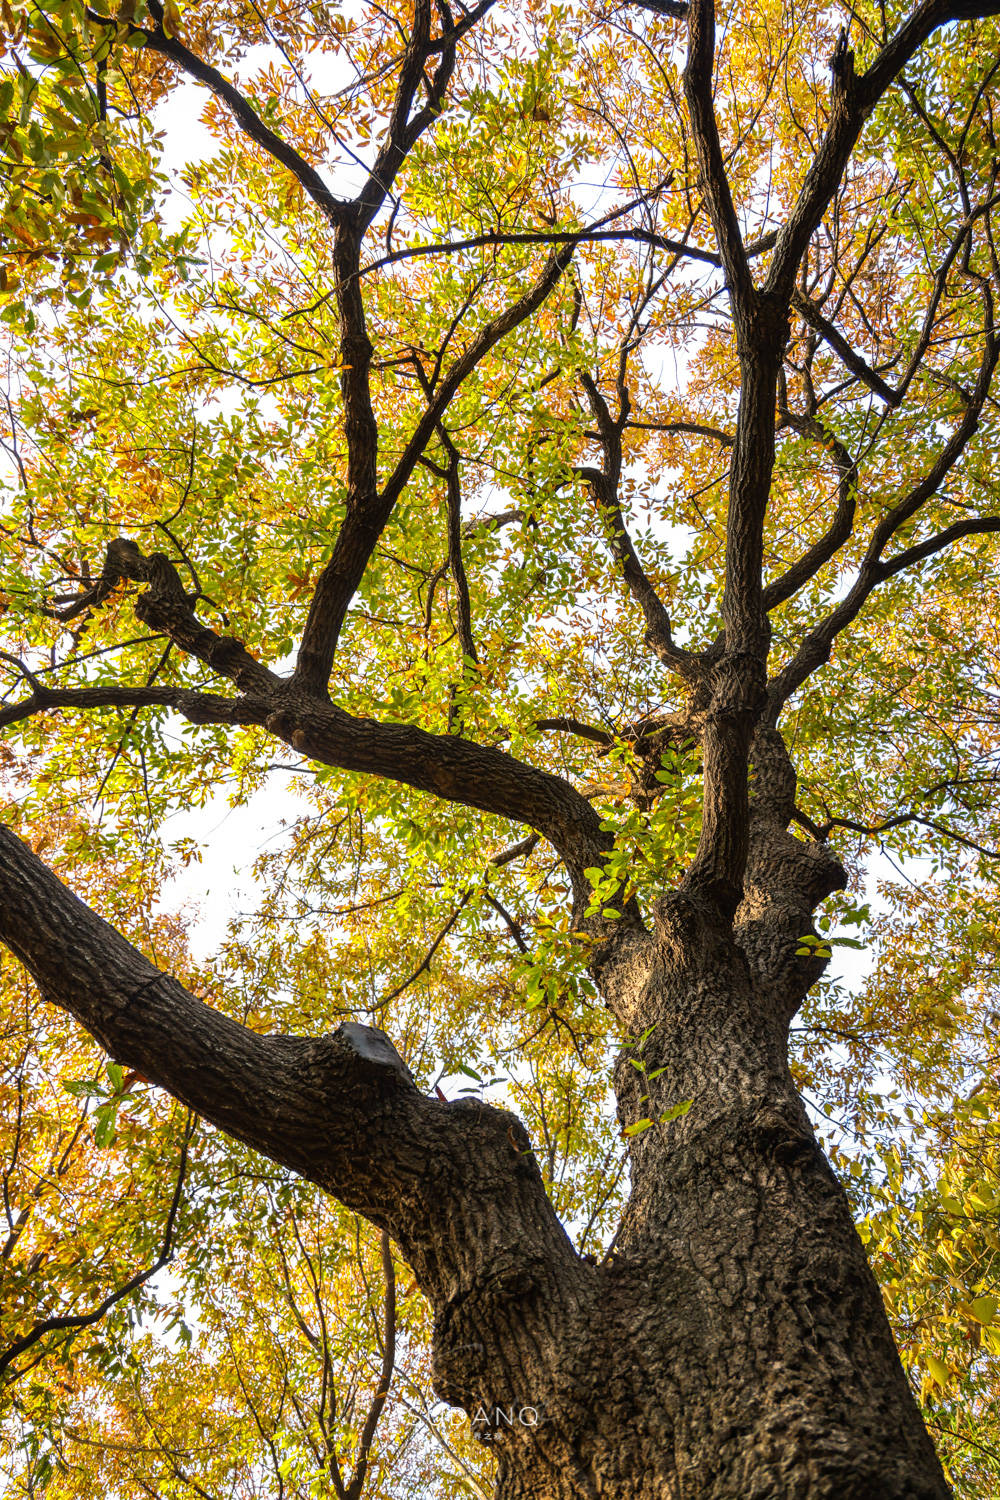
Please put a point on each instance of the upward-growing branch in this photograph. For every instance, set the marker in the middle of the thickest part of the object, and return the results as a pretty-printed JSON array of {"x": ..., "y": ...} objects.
[
  {"x": 735, "y": 693},
  {"x": 698, "y": 89},
  {"x": 369, "y": 509},
  {"x": 853, "y": 97}
]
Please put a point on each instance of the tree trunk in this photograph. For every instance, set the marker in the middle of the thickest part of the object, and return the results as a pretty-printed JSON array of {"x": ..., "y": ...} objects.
[{"x": 733, "y": 1345}]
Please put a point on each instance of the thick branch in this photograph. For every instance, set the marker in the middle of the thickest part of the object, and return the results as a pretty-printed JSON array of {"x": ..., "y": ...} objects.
[
  {"x": 565, "y": 725},
  {"x": 342, "y": 1109},
  {"x": 453, "y": 768},
  {"x": 449, "y": 766},
  {"x": 852, "y": 101},
  {"x": 405, "y": 129},
  {"x": 698, "y": 90},
  {"x": 676, "y": 9}
]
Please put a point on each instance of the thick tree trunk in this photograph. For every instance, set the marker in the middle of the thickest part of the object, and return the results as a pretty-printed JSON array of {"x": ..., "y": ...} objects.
[{"x": 732, "y": 1346}]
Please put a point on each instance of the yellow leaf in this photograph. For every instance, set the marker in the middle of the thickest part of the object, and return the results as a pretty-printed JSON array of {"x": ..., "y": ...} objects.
[{"x": 984, "y": 1309}]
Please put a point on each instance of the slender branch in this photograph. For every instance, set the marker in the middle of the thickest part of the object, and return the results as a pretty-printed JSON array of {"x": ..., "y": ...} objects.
[
  {"x": 852, "y": 100},
  {"x": 604, "y": 484},
  {"x": 334, "y": 209},
  {"x": 497, "y": 239},
  {"x": 815, "y": 649},
  {"x": 892, "y": 396},
  {"x": 974, "y": 526},
  {"x": 66, "y": 1322},
  {"x": 198, "y": 708},
  {"x": 873, "y": 829},
  {"x": 367, "y": 1435},
  {"x": 592, "y": 233},
  {"x": 423, "y": 967},
  {"x": 853, "y": 361},
  {"x": 166, "y": 607},
  {"x": 369, "y": 510},
  {"x": 695, "y": 429},
  {"x": 841, "y": 526},
  {"x": 463, "y": 605}
]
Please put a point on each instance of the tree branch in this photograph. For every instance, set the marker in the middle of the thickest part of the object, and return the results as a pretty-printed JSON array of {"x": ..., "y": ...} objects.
[
  {"x": 698, "y": 90},
  {"x": 892, "y": 396},
  {"x": 353, "y": 1490},
  {"x": 198, "y": 708},
  {"x": 333, "y": 208},
  {"x": 841, "y": 526},
  {"x": 451, "y": 767},
  {"x": 815, "y": 649},
  {"x": 71, "y": 1321},
  {"x": 403, "y": 131},
  {"x": 604, "y": 483},
  {"x": 368, "y": 510},
  {"x": 873, "y": 829},
  {"x": 463, "y": 605},
  {"x": 852, "y": 100},
  {"x": 456, "y": 1185},
  {"x": 565, "y": 725},
  {"x": 852, "y": 361},
  {"x": 454, "y": 768},
  {"x": 166, "y": 607},
  {"x": 676, "y": 9}
]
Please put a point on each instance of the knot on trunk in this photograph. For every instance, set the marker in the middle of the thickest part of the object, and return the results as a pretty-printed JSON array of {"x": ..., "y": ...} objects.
[
  {"x": 784, "y": 1135},
  {"x": 369, "y": 1045},
  {"x": 486, "y": 1317},
  {"x": 364, "y": 1085}
]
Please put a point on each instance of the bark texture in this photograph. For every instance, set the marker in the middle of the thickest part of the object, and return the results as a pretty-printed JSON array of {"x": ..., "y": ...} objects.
[{"x": 734, "y": 1342}]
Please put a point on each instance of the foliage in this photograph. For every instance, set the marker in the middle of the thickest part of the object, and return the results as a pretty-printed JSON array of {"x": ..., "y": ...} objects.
[{"x": 175, "y": 374}]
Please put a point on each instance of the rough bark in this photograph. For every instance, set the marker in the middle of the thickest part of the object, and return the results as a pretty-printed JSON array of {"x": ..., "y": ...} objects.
[{"x": 732, "y": 1345}]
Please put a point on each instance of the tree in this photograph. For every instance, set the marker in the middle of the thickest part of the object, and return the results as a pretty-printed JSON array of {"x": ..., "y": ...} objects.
[{"x": 549, "y": 432}]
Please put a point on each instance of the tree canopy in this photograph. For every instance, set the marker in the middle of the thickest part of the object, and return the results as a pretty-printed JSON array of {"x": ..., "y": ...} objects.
[{"x": 403, "y": 462}]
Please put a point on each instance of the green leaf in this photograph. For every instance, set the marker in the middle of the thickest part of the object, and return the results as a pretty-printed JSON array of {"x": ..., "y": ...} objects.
[{"x": 676, "y": 1111}]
